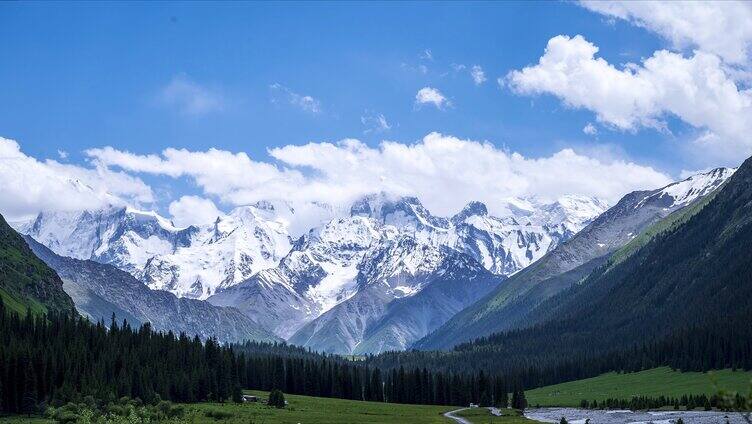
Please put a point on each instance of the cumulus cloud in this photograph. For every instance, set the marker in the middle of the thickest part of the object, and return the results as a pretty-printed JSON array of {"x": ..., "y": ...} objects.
[
  {"x": 190, "y": 98},
  {"x": 193, "y": 210},
  {"x": 306, "y": 103},
  {"x": 431, "y": 96},
  {"x": 444, "y": 172},
  {"x": 375, "y": 123},
  {"x": 233, "y": 176},
  {"x": 476, "y": 72},
  {"x": 30, "y": 186},
  {"x": 697, "y": 89},
  {"x": 722, "y": 27}
]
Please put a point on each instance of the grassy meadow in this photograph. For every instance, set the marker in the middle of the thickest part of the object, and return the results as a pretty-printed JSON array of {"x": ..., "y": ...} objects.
[{"x": 654, "y": 383}]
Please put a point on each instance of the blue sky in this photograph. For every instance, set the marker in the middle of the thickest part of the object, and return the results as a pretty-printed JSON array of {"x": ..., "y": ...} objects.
[{"x": 248, "y": 78}]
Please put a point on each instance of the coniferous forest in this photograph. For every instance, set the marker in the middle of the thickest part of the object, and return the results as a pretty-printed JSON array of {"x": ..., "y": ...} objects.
[{"x": 54, "y": 359}]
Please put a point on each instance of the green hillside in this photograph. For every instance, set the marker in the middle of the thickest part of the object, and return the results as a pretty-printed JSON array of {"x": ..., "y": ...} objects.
[
  {"x": 652, "y": 383},
  {"x": 26, "y": 281}
]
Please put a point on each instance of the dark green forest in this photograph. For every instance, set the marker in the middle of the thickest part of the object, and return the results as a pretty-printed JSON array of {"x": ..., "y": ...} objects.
[{"x": 58, "y": 358}]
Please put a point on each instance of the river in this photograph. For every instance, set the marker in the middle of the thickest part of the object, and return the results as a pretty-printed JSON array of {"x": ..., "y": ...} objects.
[{"x": 578, "y": 416}]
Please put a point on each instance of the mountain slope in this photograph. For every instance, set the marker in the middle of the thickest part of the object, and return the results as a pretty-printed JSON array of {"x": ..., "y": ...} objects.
[
  {"x": 26, "y": 281},
  {"x": 404, "y": 320},
  {"x": 694, "y": 275},
  {"x": 99, "y": 290},
  {"x": 507, "y": 306}
]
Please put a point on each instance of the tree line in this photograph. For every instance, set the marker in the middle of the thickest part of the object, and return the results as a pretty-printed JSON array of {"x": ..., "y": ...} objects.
[{"x": 55, "y": 359}]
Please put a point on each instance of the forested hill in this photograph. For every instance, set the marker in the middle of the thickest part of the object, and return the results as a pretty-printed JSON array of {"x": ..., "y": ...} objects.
[
  {"x": 697, "y": 274},
  {"x": 26, "y": 281},
  {"x": 683, "y": 299}
]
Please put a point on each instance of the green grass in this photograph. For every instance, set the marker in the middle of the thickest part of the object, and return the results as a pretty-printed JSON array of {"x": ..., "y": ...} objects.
[
  {"x": 668, "y": 223},
  {"x": 654, "y": 382},
  {"x": 483, "y": 416},
  {"x": 306, "y": 409},
  {"x": 20, "y": 306}
]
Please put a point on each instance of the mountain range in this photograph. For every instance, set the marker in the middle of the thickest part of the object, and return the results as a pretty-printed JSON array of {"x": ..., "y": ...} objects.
[
  {"x": 384, "y": 275},
  {"x": 385, "y": 249}
]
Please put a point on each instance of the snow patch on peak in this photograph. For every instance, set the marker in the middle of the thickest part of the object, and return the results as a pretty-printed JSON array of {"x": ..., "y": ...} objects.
[
  {"x": 397, "y": 211},
  {"x": 682, "y": 193},
  {"x": 686, "y": 191},
  {"x": 471, "y": 209}
]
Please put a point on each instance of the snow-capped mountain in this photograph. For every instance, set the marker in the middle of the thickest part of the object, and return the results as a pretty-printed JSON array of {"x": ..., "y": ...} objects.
[
  {"x": 121, "y": 236},
  {"x": 249, "y": 239},
  {"x": 190, "y": 262},
  {"x": 385, "y": 248},
  {"x": 320, "y": 271},
  {"x": 338, "y": 279}
]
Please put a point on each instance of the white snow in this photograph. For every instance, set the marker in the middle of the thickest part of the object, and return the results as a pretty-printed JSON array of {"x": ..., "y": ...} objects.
[{"x": 686, "y": 191}]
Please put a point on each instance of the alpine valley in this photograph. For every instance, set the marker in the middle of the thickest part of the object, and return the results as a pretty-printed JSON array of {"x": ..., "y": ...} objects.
[{"x": 380, "y": 275}]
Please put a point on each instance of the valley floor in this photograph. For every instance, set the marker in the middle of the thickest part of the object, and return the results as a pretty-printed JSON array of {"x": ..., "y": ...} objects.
[
  {"x": 313, "y": 410},
  {"x": 651, "y": 383}
]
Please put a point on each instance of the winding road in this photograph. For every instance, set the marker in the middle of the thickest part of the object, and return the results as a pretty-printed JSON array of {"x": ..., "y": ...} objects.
[{"x": 460, "y": 420}]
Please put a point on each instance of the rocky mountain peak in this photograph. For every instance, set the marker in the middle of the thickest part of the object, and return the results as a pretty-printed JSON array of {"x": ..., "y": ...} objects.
[{"x": 473, "y": 208}]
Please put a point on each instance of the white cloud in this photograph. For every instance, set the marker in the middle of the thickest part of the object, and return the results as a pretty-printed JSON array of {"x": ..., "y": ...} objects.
[
  {"x": 696, "y": 90},
  {"x": 62, "y": 153},
  {"x": 190, "y": 98},
  {"x": 443, "y": 171},
  {"x": 479, "y": 77},
  {"x": 232, "y": 176},
  {"x": 720, "y": 27},
  {"x": 428, "y": 95},
  {"x": 426, "y": 55},
  {"x": 30, "y": 186},
  {"x": 375, "y": 123},
  {"x": 590, "y": 129},
  {"x": 193, "y": 210},
  {"x": 303, "y": 102}
]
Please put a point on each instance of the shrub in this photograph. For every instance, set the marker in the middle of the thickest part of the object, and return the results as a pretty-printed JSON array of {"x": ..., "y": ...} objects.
[{"x": 218, "y": 414}]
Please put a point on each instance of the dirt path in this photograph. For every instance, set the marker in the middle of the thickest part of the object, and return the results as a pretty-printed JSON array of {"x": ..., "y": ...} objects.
[{"x": 460, "y": 420}]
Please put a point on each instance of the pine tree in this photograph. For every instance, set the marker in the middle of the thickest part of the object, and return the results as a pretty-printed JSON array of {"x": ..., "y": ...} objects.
[
  {"x": 276, "y": 399},
  {"x": 237, "y": 394},
  {"x": 485, "y": 400},
  {"x": 29, "y": 399}
]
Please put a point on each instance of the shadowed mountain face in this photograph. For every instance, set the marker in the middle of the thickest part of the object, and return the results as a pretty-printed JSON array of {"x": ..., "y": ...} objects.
[
  {"x": 100, "y": 290},
  {"x": 375, "y": 321},
  {"x": 506, "y": 307},
  {"x": 26, "y": 281}
]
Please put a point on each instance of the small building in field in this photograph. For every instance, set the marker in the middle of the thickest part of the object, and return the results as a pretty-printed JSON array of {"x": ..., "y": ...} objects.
[{"x": 250, "y": 398}]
